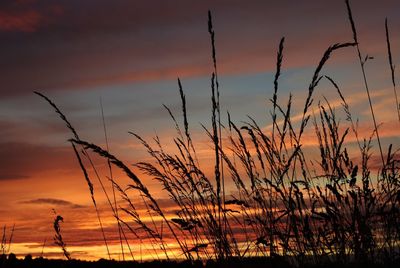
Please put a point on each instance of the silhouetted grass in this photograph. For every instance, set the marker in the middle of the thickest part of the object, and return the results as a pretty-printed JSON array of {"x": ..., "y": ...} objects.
[
  {"x": 5, "y": 245},
  {"x": 287, "y": 207},
  {"x": 58, "y": 239}
]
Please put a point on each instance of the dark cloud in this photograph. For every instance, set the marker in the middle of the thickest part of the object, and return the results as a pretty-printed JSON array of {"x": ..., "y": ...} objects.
[
  {"x": 26, "y": 21},
  {"x": 23, "y": 160},
  {"x": 14, "y": 130},
  {"x": 95, "y": 43},
  {"x": 52, "y": 201},
  {"x": 26, "y": 16},
  {"x": 13, "y": 176}
]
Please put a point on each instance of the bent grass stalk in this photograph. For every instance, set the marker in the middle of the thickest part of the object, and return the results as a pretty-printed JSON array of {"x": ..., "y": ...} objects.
[{"x": 90, "y": 185}]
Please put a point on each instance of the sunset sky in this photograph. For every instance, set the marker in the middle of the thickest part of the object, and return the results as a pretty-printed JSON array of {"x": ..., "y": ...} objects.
[{"x": 130, "y": 54}]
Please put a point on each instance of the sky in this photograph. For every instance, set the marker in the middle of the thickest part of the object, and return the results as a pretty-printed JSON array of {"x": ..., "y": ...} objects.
[{"x": 129, "y": 54}]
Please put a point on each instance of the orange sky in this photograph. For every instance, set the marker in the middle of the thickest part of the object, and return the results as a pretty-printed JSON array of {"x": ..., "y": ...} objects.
[{"x": 130, "y": 53}]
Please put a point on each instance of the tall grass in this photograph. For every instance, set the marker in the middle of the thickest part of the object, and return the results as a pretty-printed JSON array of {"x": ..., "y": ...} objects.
[{"x": 333, "y": 208}]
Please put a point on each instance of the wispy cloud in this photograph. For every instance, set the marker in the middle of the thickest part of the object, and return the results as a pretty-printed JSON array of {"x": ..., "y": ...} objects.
[{"x": 51, "y": 201}]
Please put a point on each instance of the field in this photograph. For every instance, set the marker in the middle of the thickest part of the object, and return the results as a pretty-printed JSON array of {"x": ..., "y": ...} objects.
[{"x": 288, "y": 207}]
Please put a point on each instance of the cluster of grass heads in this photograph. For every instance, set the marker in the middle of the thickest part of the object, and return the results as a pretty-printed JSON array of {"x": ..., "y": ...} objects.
[
  {"x": 309, "y": 211},
  {"x": 58, "y": 239}
]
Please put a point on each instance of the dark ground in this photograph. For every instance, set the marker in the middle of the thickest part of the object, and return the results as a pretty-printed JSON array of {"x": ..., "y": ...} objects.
[{"x": 29, "y": 262}]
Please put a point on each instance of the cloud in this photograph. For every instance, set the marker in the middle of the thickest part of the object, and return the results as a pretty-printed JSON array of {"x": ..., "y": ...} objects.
[
  {"x": 24, "y": 160},
  {"x": 26, "y": 16},
  {"x": 127, "y": 42},
  {"x": 51, "y": 201},
  {"x": 25, "y": 21},
  {"x": 13, "y": 176},
  {"x": 17, "y": 129}
]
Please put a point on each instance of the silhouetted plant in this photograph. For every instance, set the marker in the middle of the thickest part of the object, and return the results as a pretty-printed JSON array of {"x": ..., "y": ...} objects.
[
  {"x": 58, "y": 239},
  {"x": 331, "y": 209}
]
